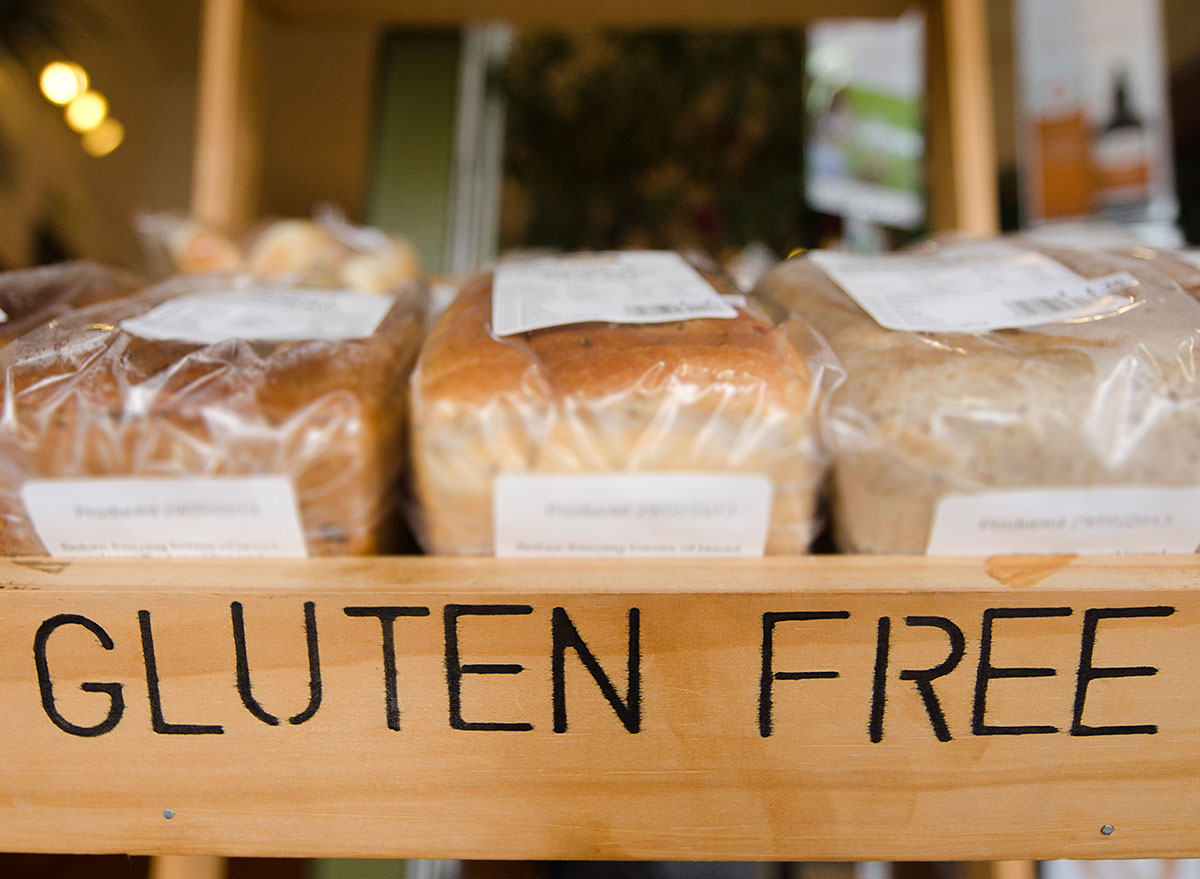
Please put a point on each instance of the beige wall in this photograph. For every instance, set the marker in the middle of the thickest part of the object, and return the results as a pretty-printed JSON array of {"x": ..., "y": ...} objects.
[
  {"x": 142, "y": 56},
  {"x": 317, "y": 85}
]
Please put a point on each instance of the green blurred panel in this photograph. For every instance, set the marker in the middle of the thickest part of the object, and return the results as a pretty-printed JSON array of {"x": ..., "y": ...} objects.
[
  {"x": 356, "y": 868},
  {"x": 413, "y": 142}
]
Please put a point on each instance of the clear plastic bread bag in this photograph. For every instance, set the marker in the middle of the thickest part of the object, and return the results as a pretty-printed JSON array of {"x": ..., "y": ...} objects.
[
  {"x": 29, "y": 297},
  {"x": 681, "y": 413},
  {"x": 122, "y": 415},
  {"x": 1181, "y": 266},
  {"x": 1096, "y": 391},
  {"x": 325, "y": 251}
]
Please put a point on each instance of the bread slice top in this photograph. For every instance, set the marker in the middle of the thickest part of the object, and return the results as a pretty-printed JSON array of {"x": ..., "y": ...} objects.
[
  {"x": 85, "y": 356},
  {"x": 745, "y": 357},
  {"x": 1158, "y": 328}
]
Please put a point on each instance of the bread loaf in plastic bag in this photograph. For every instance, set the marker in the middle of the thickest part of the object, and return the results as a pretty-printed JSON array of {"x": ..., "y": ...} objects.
[
  {"x": 1109, "y": 400},
  {"x": 86, "y": 399},
  {"x": 325, "y": 251},
  {"x": 709, "y": 395}
]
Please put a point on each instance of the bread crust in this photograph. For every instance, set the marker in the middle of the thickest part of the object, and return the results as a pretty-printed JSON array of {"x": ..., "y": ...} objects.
[
  {"x": 705, "y": 395},
  {"x": 86, "y": 399}
]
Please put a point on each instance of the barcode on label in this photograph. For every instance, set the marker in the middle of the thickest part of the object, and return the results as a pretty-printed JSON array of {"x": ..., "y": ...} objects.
[
  {"x": 1084, "y": 296},
  {"x": 1048, "y": 305},
  {"x": 660, "y": 310}
]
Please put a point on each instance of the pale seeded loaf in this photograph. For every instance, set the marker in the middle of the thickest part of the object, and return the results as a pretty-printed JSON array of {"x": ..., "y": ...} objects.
[{"x": 1111, "y": 401}]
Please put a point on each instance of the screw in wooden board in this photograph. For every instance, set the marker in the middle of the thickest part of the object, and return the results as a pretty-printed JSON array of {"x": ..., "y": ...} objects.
[
  {"x": 170, "y": 813},
  {"x": 1107, "y": 829}
]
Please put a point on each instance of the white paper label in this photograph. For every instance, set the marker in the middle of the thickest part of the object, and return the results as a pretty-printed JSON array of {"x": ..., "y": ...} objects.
[
  {"x": 971, "y": 288},
  {"x": 1092, "y": 521},
  {"x": 263, "y": 313},
  {"x": 236, "y": 517},
  {"x": 636, "y": 287},
  {"x": 632, "y": 515}
]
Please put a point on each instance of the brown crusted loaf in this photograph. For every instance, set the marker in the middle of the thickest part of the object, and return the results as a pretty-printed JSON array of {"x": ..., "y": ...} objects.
[
  {"x": 922, "y": 415},
  {"x": 33, "y": 296},
  {"x": 88, "y": 399},
  {"x": 711, "y": 395}
]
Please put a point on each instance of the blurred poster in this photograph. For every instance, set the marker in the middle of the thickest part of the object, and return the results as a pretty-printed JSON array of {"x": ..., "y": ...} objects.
[
  {"x": 1092, "y": 110},
  {"x": 865, "y": 147}
]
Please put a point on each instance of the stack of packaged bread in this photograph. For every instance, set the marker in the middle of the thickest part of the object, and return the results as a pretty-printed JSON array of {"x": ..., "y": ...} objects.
[{"x": 968, "y": 398}]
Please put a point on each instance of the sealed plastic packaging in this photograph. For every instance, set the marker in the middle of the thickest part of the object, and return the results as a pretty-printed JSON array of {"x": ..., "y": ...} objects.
[
  {"x": 29, "y": 297},
  {"x": 324, "y": 251},
  {"x": 198, "y": 401},
  {"x": 1104, "y": 400},
  {"x": 681, "y": 413},
  {"x": 1181, "y": 266}
]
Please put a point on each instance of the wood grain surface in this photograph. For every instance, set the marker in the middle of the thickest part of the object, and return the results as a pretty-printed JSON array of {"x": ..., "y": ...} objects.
[
  {"x": 794, "y": 709},
  {"x": 548, "y": 13}
]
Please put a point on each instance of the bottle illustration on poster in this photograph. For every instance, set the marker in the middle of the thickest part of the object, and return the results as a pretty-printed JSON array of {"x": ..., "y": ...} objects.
[
  {"x": 1121, "y": 152},
  {"x": 1092, "y": 111}
]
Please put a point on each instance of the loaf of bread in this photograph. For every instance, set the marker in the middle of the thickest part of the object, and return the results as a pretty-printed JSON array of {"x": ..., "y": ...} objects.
[
  {"x": 1091, "y": 402},
  {"x": 326, "y": 252},
  {"x": 722, "y": 396},
  {"x": 29, "y": 297},
  {"x": 1181, "y": 267},
  {"x": 86, "y": 398}
]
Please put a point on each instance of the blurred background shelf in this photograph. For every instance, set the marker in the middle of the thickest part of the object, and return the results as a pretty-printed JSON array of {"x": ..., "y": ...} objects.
[
  {"x": 691, "y": 13},
  {"x": 228, "y": 158}
]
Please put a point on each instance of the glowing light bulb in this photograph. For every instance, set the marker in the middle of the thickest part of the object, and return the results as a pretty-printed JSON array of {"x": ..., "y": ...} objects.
[
  {"x": 87, "y": 111},
  {"x": 63, "y": 81},
  {"x": 104, "y": 138}
]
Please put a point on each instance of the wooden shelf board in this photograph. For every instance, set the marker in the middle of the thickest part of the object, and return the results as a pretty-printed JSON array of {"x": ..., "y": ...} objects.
[
  {"x": 200, "y": 700},
  {"x": 625, "y": 13},
  {"x": 850, "y": 574}
]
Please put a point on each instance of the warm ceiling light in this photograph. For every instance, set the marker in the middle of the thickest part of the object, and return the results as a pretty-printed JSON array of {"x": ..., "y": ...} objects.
[
  {"x": 63, "y": 81},
  {"x": 87, "y": 111},
  {"x": 104, "y": 138}
]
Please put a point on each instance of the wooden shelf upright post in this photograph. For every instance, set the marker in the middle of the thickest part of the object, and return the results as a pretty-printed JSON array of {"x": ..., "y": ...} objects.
[{"x": 228, "y": 124}]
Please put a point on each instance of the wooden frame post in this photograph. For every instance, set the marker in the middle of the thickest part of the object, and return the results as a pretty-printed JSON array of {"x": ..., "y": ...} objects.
[
  {"x": 228, "y": 126},
  {"x": 962, "y": 148},
  {"x": 188, "y": 867}
]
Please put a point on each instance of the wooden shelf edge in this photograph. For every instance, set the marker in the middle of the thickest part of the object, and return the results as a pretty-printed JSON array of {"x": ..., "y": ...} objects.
[
  {"x": 756, "y": 709},
  {"x": 602, "y": 13},
  {"x": 826, "y": 573}
]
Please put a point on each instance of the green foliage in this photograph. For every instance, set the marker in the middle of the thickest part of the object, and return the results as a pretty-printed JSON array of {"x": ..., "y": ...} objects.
[{"x": 662, "y": 139}]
